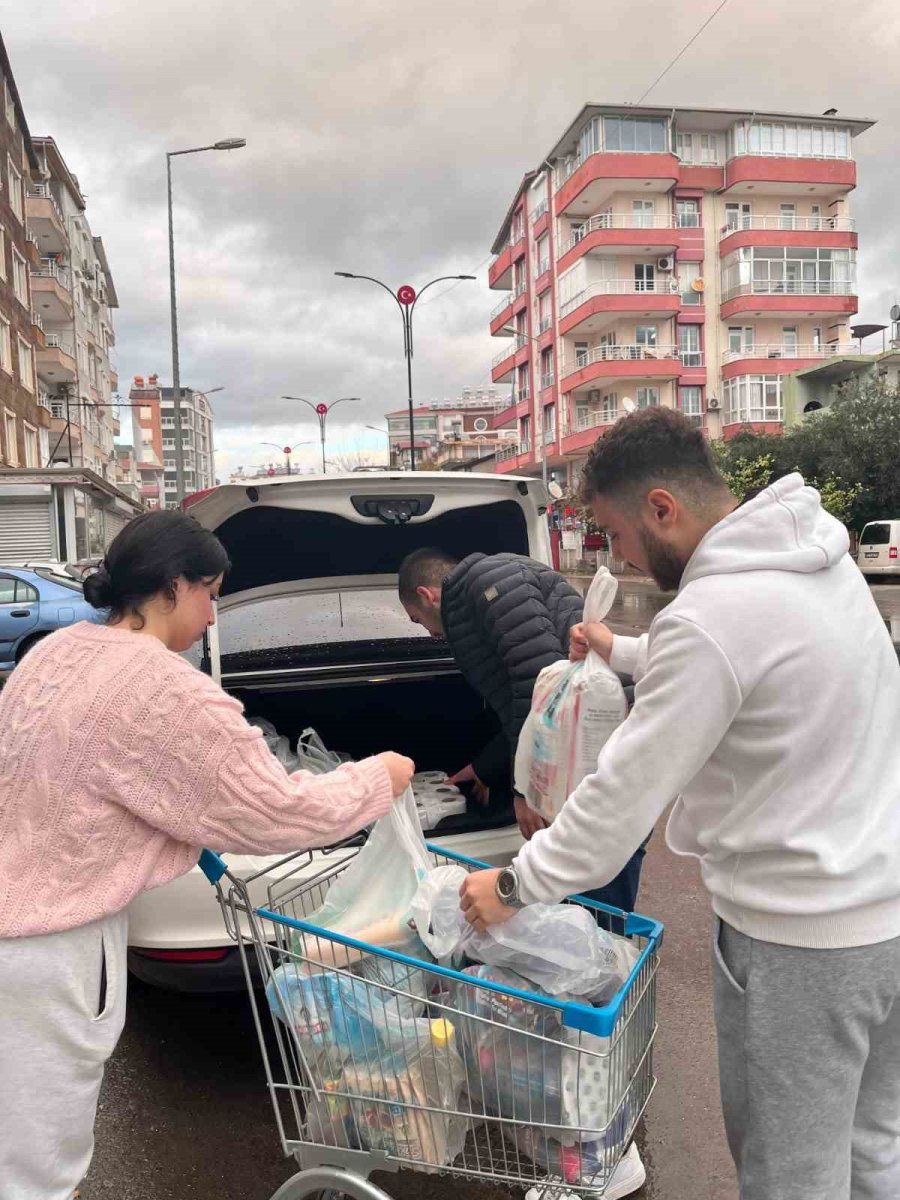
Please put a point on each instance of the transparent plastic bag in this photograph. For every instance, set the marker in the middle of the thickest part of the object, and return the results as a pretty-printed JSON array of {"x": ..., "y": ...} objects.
[
  {"x": 522, "y": 1064},
  {"x": 313, "y": 756},
  {"x": 371, "y": 899},
  {"x": 575, "y": 707}
]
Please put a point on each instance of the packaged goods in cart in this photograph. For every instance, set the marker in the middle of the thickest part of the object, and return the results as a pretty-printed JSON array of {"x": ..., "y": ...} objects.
[
  {"x": 522, "y": 1064},
  {"x": 395, "y": 1100},
  {"x": 575, "y": 708},
  {"x": 436, "y": 798}
]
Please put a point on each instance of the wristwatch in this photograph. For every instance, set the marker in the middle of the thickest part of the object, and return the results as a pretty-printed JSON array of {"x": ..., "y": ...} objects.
[{"x": 507, "y": 888}]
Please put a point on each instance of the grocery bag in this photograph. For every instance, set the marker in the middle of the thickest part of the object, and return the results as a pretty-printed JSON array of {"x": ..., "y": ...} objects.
[{"x": 574, "y": 709}]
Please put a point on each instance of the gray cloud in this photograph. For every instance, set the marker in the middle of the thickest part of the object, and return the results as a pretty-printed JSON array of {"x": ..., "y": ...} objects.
[{"x": 386, "y": 138}]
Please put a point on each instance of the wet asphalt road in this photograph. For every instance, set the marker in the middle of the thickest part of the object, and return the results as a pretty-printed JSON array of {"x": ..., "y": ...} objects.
[{"x": 185, "y": 1116}]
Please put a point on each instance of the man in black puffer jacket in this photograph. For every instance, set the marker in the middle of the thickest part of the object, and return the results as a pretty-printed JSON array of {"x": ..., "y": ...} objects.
[{"x": 505, "y": 618}]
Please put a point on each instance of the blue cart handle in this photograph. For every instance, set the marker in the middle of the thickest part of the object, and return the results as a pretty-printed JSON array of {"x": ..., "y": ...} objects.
[{"x": 212, "y": 865}]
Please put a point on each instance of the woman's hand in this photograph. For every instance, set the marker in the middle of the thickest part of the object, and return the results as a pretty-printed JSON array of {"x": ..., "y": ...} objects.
[
  {"x": 528, "y": 820},
  {"x": 400, "y": 768},
  {"x": 480, "y": 791}
]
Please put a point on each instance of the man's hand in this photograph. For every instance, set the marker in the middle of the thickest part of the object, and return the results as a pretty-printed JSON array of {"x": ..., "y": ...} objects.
[
  {"x": 480, "y": 902},
  {"x": 590, "y": 635},
  {"x": 480, "y": 791},
  {"x": 528, "y": 820}
]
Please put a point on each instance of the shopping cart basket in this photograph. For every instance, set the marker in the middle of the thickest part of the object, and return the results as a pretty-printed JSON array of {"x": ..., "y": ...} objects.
[{"x": 377, "y": 1061}]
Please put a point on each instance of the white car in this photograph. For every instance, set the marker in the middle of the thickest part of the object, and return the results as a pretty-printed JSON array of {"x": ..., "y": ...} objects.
[
  {"x": 311, "y": 633},
  {"x": 879, "y": 549}
]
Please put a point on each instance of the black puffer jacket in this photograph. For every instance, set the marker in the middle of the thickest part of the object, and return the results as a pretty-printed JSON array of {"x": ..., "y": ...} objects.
[{"x": 506, "y": 618}]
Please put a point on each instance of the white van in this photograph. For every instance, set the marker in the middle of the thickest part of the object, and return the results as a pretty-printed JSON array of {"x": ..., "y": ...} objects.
[
  {"x": 879, "y": 549},
  {"x": 310, "y": 633}
]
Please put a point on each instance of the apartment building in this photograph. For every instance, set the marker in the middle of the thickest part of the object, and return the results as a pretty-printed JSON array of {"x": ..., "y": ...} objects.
[
  {"x": 153, "y": 424},
  {"x": 24, "y": 421},
  {"x": 683, "y": 257},
  {"x": 450, "y": 431},
  {"x": 73, "y": 295}
]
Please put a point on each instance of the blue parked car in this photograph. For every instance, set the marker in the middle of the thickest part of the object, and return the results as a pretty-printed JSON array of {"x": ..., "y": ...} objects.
[{"x": 34, "y": 602}]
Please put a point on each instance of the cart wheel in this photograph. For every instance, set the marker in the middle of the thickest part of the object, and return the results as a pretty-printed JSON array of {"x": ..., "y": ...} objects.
[{"x": 328, "y": 1183}]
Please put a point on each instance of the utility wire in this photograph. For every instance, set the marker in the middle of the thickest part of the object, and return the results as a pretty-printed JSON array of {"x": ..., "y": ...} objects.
[{"x": 681, "y": 52}]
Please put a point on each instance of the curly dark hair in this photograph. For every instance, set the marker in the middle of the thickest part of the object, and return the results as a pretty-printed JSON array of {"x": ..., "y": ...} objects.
[{"x": 656, "y": 447}]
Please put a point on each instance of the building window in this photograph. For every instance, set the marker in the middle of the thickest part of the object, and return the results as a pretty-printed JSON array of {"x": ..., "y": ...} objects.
[
  {"x": 740, "y": 339},
  {"x": 3, "y": 274},
  {"x": 789, "y": 270},
  {"x": 16, "y": 202},
  {"x": 691, "y": 403},
  {"x": 32, "y": 456},
  {"x": 5, "y": 347},
  {"x": 789, "y": 139},
  {"x": 9, "y": 104},
  {"x": 688, "y": 214},
  {"x": 635, "y": 135},
  {"x": 684, "y": 147},
  {"x": 737, "y": 215},
  {"x": 543, "y": 255},
  {"x": 689, "y": 345},
  {"x": 642, "y": 212},
  {"x": 20, "y": 277},
  {"x": 9, "y": 429},
  {"x": 688, "y": 275},
  {"x": 753, "y": 399},
  {"x": 648, "y": 397},
  {"x": 26, "y": 366}
]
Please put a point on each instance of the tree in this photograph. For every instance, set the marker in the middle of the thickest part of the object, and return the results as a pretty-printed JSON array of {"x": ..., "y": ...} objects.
[{"x": 849, "y": 451}]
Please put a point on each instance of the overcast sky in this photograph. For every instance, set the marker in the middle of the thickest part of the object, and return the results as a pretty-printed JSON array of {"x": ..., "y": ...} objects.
[{"x": 387, "y": 138}]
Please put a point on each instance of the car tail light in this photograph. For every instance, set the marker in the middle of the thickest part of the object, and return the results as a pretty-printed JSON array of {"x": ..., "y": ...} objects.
[
  {"x": 893, "y": 553},
  {"x": 215, "y": 954}
]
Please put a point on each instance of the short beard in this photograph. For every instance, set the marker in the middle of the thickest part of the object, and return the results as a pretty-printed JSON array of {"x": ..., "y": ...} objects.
[{"x": 664, "y": 564}]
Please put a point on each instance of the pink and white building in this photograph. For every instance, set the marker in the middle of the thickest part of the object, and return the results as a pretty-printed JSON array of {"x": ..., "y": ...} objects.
[{"x": 682, "y": 257}]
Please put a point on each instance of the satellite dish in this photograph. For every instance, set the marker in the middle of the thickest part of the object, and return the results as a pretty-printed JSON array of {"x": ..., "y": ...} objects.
[
  {"x": 895, "y": 313},
  {"x": 555, "y": 490},
  {"x": 628, "y": 404}
]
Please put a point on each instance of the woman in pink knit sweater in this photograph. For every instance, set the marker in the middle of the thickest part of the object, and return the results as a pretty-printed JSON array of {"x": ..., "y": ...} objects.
[{"x": 119, "y": 761}]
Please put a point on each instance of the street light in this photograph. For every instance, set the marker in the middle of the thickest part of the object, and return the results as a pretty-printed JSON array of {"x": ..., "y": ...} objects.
[
  {"x": 287, "y": 451},
  {"x": 406, "y": 299},
  {"x": 226, "y": 144},
  {"x": 322, "y": 411},
  {"x": 387, "y": 434}
]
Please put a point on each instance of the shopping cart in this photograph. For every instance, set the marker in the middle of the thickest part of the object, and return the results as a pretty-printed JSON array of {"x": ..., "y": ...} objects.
[{"x": 376, "y": 1061}]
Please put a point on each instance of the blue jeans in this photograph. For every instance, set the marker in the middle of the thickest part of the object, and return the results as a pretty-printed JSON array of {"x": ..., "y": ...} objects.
[{"x": 620, "y": 893}]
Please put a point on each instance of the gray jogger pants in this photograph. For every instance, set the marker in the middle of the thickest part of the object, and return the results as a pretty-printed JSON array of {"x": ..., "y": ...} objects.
[
  {"x": 809, "y": 1066},
  {"x": 62, "y": 1008}
]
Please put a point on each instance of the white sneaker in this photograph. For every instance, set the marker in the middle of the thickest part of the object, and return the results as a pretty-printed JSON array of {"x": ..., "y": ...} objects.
[{"x": 628, "y": 1177}]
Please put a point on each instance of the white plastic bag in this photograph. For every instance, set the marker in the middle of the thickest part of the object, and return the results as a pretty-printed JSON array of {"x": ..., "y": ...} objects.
[
  {"x": 371, "y": 899},
  {"x": 313, "y": 756},
  {"x": 574, "y": 709}
]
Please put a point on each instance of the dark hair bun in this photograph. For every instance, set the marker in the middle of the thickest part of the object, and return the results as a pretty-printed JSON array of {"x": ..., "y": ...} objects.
[{"x": 98, "y": 589}]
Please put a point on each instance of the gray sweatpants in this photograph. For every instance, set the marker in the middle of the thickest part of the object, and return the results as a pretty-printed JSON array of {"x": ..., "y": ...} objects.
[
  {"x": 61, "y": 1013},
  {"x": 809, "y": 1066}
]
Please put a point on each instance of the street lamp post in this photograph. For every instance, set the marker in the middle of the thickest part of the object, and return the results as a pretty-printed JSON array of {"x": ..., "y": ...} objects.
[
  {"x": 287, "y": 451},
  {"x": 227, "y": 144},
  {"x": 387, "y": 434},
  {"x": 406, "y": 299},
  {"x": 322, "y": 411}
]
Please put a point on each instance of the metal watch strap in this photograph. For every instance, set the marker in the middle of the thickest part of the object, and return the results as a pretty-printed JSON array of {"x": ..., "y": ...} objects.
[{"x": 512, "y": 901}]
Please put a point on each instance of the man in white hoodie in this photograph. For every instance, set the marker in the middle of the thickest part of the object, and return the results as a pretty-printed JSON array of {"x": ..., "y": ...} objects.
[{"x": 770, "y": 707}]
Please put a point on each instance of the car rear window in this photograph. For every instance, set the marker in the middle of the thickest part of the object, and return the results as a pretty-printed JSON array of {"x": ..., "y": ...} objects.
[{"x": 876, "y": 534}]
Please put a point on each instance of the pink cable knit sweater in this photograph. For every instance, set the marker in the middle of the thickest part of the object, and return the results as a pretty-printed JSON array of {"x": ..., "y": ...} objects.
[{"x": 119, "y": 761}]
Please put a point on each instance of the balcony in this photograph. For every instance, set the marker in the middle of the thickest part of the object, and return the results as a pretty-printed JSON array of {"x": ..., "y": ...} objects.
[
  {"x": 790, "y": 297},
  {"x": 539, "y": 211},
  {"x": 547, "y": 380},
  {"x": 56, "y": 359},
  {"x": 609, "y": 297},
  {"x": 822, "y": 176},
  {"x": 504, "y": 363},
  {"x": 621, "y": 233},
  {"x": 621, "y": 362},
  {"x": 32, "y": 248},
  {"x": 50, "y": 292},
  {"x": 777, "y": 359},
  {"x": 46, "y": 219},
  {"x": 500, "y": 272},
  {"x": 583, "y": 433},
  {"x": 513, "y": 457},
  {"x": 589, "y": 183},
  {"x": 838, "y": 233}
]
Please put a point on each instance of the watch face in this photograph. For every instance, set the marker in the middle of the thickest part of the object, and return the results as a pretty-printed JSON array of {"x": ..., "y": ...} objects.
[{"x": 506, "y": 884}]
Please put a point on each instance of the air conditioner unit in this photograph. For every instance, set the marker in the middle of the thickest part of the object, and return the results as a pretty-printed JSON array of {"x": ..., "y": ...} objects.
[
  {"x": 712, "y": 404},
  {"x": 666, "y": 263}
]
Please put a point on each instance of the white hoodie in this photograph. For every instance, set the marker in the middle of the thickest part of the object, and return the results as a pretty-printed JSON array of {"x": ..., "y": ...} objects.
[{"x": 770, "y": 706}]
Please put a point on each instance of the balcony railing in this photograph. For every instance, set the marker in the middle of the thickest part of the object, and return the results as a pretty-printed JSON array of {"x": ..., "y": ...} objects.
[
  {"x": 620, "y": 287},
  {"x": 509, "y": 451},
  {"x": 44, "y": 400},
  {"x": 800, "y": 224},
  {"x": 792, "y": 287},
  {"x": 775, "y": 350},
  {"x": 586, "y": 418},
  {"x": 548, "y": 379},
  {"x": 56, "y": 341},
  {"x": 626, "y": 220},
  {"x": 507, "y": 352},
  {"x": 539, "y": 211},
  {"x": 519, "y": 289},
  {"x": 549, "y": 437},
  {"x": 543, "y": 267},
  {"x": 43, "y": 191},
  {"x": 504, "y": 303},
  {"x": 618, "y": 354},
  {"x": 544, "y": 324},
  {"x": 31, "y": 236},
  {"x": 37, "y": 320},
  {"x": 522, "y": 393},
  {"x": 51, "y": 270}
]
